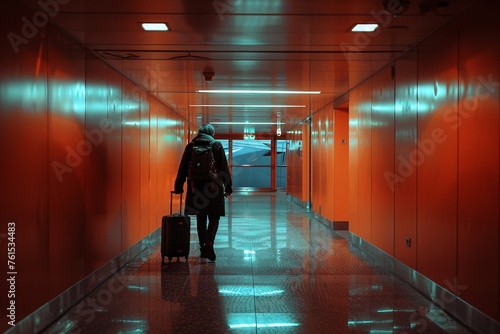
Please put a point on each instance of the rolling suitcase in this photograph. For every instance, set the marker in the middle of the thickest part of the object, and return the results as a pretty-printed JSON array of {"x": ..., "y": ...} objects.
[{"x": 175, "y": 234}]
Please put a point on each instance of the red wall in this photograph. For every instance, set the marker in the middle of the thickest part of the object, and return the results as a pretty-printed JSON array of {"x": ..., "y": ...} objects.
[
  {"x": 354, "y": 134},
  {"x": 437, "y": 156},
  {"x": 381, "y": 144},
  {"x": 424, "y": 159},
  {"x": 297, "y": 177},
  {"x": 322, "y": 162},
  {"x": 405, "y": 191},
  {"x": 364, "y": 200},
  {"x": 88, "y": 159},
  {"x": 341, "y": 167},
  {"x": 330, "y": 161},
  {"x": 478, "y": 127}
]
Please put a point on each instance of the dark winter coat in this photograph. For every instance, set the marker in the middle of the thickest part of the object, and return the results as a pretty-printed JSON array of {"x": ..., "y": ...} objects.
[{"x": 205, "y": 197}]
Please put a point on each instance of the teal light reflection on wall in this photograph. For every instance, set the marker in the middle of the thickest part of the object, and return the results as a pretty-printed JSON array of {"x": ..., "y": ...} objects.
[
  {"x": 66, "y": 97},
  {"x": 168, "y": 123},
  {"x": 384, "y": 108},
  {"x": 353, "y": 122},
  {"x": 24, "y": 94},
  {"x": 171, "y": 138},
  {"x": 430, "y": 95}
]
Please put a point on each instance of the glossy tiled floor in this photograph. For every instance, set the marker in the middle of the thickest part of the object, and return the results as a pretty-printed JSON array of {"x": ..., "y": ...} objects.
[{"x": 277, "y": 271}]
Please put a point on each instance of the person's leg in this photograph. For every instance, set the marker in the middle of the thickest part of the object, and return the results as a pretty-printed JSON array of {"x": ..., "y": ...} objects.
[
  {"x": 213, "y": 226},
  {"x": 201, "y": 226}
]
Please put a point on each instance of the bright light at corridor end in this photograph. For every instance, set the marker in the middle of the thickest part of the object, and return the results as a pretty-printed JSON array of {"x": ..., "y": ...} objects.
[
  {"x": 154, "y": 26},
  {"x": 364, "y": 27},
  {"x": 250, "y": 91}
]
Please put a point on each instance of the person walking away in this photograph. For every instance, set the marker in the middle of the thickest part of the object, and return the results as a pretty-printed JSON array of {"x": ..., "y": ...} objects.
[{"x": 204, "y": 166}]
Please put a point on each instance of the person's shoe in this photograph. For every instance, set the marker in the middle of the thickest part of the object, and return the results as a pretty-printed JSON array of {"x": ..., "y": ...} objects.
[
  {"x": 203, "y": 252},
  {"x": 209, "y": 250}
]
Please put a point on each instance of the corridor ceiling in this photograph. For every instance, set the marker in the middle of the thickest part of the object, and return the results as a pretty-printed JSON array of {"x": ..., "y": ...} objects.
[{"x": 304, "y": 45}]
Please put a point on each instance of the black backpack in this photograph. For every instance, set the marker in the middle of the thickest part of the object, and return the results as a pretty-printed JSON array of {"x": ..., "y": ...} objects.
[{"x": 202, "y": 165}]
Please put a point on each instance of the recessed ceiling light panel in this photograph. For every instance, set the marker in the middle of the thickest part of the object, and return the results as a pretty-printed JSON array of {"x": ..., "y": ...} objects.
[
  {"x": 364, "y": 27},
  {"x": 154, "y": 26}
]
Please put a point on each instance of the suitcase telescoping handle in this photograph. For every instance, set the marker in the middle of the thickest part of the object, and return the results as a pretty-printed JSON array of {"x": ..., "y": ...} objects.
[{"x": 171, "y": 201}]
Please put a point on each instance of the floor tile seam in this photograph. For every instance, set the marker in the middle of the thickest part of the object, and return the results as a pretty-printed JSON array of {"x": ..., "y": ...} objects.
[
  {"x": 253, "y": 288},
  {"x": 307, "y": 214},
  {"x": 255, "y": 305},
  {"x": 252, "y": 265},
  {"x": 301, "y": 237},
  {"x": 333, "y": 235}
]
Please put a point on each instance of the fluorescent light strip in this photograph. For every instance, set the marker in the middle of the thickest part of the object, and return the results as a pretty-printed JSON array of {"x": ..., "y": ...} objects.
[
  {"x": 246, "y": 123},
  {"x": 248, "y": 91},
  {"x": 248, "y": 105},
  {"x": 154, "y": 26}
]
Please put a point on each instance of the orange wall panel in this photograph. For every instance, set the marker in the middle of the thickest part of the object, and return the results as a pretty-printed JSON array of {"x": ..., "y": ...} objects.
[
  {"x": 354, "y": 161},
  {"x": 330, "y": 164},
  {"x": 24, "y": 168},
  {"x": 131, "y": 165},
  {"x": 437, "y": 157},
  {"x": 404, "y": 176},
  {"x": 323, "y": 163},
  {"x": 382, "y": 159},
  {"x": 67, "y": 153},
  {"x": 172, "y": 139},
  {"x": 328, "y": 167},
  {"x": 478, "y": 126},
  {"x": 82, "y": 149},
  {"x": 306, "y": 162},
  {"x": 365, "y": 161},
  {"x": 297, "y": 163},
  {"x": 144, "y": 172},
  {"x": 445, "y": 158},
  {"x": 341, "y": 166},
  {"x": 154, "y": 214},
  {"x": 100, "y": 181},
  {"x": 316, "y": 163},
  {"x": 293, "y": 165},
  {"x": 112, "y": 163}
]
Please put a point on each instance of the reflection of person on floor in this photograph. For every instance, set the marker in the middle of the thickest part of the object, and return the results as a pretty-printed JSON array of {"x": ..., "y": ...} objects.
[
  {"x": 205, "y": 198},
  {"x": 193, "y": 301}
]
